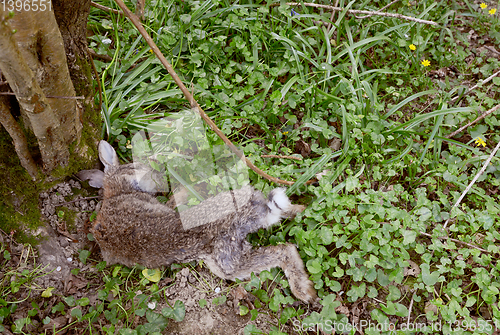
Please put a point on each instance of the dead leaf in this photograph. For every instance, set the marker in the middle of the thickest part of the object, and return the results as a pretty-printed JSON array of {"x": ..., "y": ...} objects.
[
  {"x": 74, "y": 284},
  {"x": 303, "y": 148},
  {"x": 241, "y": 295},
  {"x": 413, "y": 270}
]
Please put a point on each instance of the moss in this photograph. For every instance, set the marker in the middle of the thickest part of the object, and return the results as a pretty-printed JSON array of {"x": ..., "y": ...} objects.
[{"x": 19, "y": 206}]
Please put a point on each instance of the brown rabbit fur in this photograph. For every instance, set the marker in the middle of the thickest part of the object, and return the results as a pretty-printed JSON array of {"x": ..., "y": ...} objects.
[{"x": 133, "y": 227}]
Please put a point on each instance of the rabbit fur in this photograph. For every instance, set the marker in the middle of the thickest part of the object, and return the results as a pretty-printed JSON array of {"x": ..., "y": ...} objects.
[{"x": 133, "y": 227}]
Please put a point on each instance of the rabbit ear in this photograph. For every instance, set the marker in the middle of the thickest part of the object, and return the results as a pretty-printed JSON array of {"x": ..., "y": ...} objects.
[
  {"x": 107, "y": 155},
  {"x": 94, "y": 177}
]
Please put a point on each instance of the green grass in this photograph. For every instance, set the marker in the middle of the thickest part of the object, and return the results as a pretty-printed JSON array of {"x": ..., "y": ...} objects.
[{"x": 271, "y": 79}]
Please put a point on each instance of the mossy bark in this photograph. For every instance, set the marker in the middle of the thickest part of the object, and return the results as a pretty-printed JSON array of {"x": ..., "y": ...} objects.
[{"x": 19, "y": 208}]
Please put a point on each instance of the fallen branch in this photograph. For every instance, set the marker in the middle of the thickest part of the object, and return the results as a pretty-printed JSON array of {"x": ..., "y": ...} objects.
[
  {"x": 329, "y": 25},
  {"x": 104, "y": 8},
  {"x": 355, "y": 11},
  {"x": 370, "y": 15},
  {"x": 409, "y": 312},
  {"x": 477, "y": 85},
  {"x": 473, "y": 122},
  {"x": 485, "y": 165},
  {"x": 492, "y": 50},
  {"x": 194, "y": 105},
  {"x": 457, "y": 241},
  {"x": 284, "y": 157},
  {"x": 483, "y": 115}
]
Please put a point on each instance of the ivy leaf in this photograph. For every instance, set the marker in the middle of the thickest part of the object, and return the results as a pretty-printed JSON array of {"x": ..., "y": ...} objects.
[
  {"x": 287, "y": 314},
  {"x": 156, "y": 322},
  {"x": 487, "y": 221},
  {"x": 352, "y": 183},
  {"x": 177, "y": 313},
  {"x": 83, "y": 256},
  {"x": 429, "y": 278},
  {"x": 77, "y": 313},
  {"x": 48, "y": 292},
  {"x": 251, "y": 329},
  {"x": 243, "y": 310},
  {"x": 326, "y": 235},
  {"x": 314, "y": 266},
  {"x": 409, "y": 236},
  {"x": 153, "y": 275}
]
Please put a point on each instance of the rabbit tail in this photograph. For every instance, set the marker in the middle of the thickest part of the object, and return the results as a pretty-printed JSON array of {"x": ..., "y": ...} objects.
[{"x": 280, "y": 206}]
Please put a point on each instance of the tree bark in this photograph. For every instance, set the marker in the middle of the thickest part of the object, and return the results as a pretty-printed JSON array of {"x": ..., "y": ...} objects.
[
  {"x": 23, "y": 70},
  {"x": 43, "y": 56},
  {"x": 17, "y": 135},
  {"x": 71, "y": 17}
]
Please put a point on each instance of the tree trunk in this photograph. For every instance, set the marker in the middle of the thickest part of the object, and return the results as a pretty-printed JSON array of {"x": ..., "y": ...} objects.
[{"x": 44, "y": 60}]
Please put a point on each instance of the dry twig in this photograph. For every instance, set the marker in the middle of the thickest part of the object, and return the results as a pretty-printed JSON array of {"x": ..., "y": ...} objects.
[
  {"x": 483, "y": 115},
  {"x": 194, "y": 105},
  {"x": 332, "y": 17},
  {"x": 456, "y": 241},
  {"x": 485, "y": 165},
  {"x": 104, "y": 8},
  {"x": 473, "y": 122},
  {"x": 477, "y": 85},
  {"x": 355, "y": 11},
  {"x": 381, "y": 9},
  {"x": 278, "y": 156},
  {"x": 492, "y": 50},
  {"x": 409, "y": 312}
]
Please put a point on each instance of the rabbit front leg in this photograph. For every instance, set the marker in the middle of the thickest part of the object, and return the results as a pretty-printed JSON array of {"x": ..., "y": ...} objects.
[{"x": 284, "y": 256}]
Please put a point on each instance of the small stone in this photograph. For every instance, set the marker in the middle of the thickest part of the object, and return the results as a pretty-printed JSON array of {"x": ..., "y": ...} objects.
[
  {"x": 50, "y": 210},
  {"x": 63, "y": 241},
  {"x": 185, "y": 272}
]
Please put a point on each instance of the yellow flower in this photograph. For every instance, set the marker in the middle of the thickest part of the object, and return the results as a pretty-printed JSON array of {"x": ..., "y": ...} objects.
[
  {"x": 285, "y": 133},
  {"x": 426, "y": 62},
  {"x": 492, "y": 11},
  {"x": 128, "y": 145},
  {"x": 483, "y": 5},
  {"x": 412, "y": 47},
  {"x": 479, "y": 141}
]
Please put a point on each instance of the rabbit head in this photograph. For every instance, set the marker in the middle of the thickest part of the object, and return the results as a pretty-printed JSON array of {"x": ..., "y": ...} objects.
[{"x": 127, "y": 178}]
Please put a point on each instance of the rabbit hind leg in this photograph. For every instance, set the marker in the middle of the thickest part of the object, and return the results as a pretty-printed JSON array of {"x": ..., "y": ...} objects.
[{"x": 284, "y": 256}]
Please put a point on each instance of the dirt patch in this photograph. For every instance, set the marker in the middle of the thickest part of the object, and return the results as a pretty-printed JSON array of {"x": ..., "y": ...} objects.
[{"x": 219, "y": 315}]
